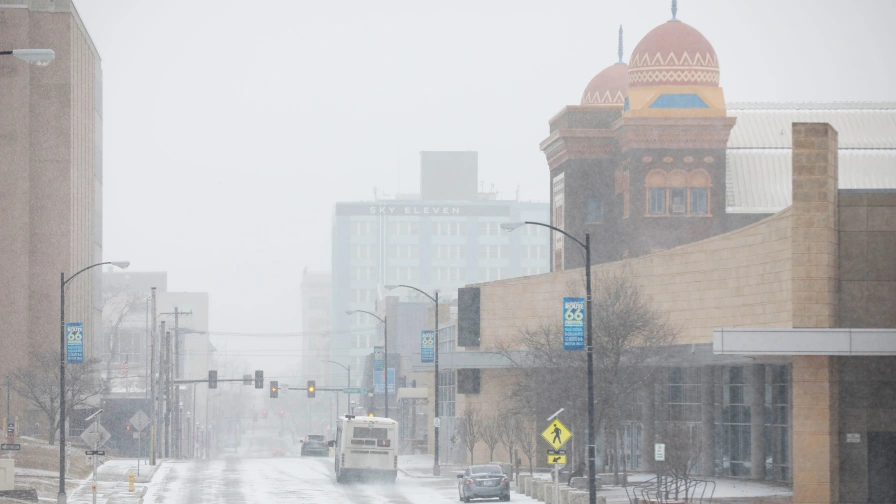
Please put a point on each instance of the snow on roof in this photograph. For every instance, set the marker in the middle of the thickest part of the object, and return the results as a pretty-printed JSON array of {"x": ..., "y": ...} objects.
[{"x": 758, "y": 175}]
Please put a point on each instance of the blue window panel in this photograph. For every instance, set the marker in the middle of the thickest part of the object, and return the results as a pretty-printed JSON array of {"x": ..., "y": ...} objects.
[
  {"x": 625, "y": 106},
  {"x": 679, "y": 101}
]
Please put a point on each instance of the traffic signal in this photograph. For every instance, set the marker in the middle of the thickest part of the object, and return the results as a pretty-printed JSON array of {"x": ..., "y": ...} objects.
[
  {"x": 212, "y": 379},
  {"x": 264, "y": 413},
  {"x": 128, "y": 427},
  {"x": 311, "y": 389},
  {"x": 259, "y": 379},
  {"x": 282, "y": 412},
  {"x": 275, "y": 389}
]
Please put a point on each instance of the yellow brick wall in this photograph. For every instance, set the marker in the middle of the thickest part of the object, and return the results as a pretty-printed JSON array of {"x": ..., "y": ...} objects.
[{"x": 742, "y": 278}]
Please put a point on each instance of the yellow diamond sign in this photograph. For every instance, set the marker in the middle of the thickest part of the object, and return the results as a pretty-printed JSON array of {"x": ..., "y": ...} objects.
[{"x": 556, "y": 434}]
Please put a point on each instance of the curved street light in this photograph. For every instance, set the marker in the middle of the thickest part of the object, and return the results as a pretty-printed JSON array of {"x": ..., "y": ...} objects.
[
  {"x": 348, "y": 400},
  {"x": 589, "y": 348},
  {"x": 436, "y": 471},
  {"x": 385, "y": 357},
  {"x": 37, "y": 57},
  {"x": 61, "y": 497}
]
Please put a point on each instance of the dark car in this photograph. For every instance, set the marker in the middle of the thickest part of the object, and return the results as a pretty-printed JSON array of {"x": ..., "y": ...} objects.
[
  {"x": 315, "y": 444},
  {"x": 486, "y": 481}
]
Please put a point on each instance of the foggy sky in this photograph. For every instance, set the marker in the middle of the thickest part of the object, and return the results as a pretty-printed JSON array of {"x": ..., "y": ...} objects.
[{"x": 231, "y": 127}]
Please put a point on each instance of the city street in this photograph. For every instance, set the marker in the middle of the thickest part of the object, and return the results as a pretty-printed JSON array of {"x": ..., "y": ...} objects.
[{"x": 238, "y": 481}]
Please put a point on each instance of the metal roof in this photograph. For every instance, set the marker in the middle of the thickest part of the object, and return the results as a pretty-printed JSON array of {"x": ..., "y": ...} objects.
[
  {"x": 768, "y": 126},
  {"x": 758, "y": 175},
  {"x": 760, "y": 180}
]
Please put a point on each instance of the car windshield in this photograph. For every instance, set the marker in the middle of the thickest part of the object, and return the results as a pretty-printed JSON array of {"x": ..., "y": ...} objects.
[{"x": 486, "y": 469}]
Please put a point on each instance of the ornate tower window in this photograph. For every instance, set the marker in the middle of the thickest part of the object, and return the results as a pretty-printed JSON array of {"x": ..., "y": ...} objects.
[
  {"x": 656, "y": 192},
  {"x": 698, "y": 185},
  {"x": 677, "y": 181}
]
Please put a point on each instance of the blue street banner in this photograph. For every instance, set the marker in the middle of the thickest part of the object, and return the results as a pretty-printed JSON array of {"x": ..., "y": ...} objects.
[
  {"x": 378, "y": 353},
  {"x": 573, "y": 323},
  {"x": 378, "y": 379},
  {"x": 427, "y": 346},
  {"x": 74, "y": 337}
]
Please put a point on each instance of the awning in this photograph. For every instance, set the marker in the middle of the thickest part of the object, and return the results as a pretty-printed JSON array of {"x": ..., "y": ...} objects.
[{"x": 741, "y": 341}]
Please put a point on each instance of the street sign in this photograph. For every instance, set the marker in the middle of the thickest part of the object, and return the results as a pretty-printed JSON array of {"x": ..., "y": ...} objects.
[
  {"x": 378, "y": 379},
  {"x": 95, "y": 452},
  {"x": 284, "y": 388},
  {"x": 74, "y": 337},
  {"x": 573, "y": 323},
  {"x": 95, "y": 434},
  {"x": 354, "y": 390},
  {"x": 10, "y": 428},
  {"x": 378, "y": 353},
  {"x": 427, "y": 346},
  {"x": 659, "y": 452},
  {"x": 557, "y": 459},
  {"x": 556, "y": 452},
  {"x": 247, "y": 379},
  {"x": 10, "y": 446},
  {"x": 139, "y": 421},
  {"x": 556, "y": 434}
]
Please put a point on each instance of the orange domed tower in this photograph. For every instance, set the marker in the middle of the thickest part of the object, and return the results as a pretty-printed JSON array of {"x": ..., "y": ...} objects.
[
  {"x": 582, "y": 154},
  {"x": 672, "y": 138}
]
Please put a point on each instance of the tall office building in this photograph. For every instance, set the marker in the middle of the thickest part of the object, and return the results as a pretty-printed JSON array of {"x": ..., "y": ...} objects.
[
  {"x": 50, "y": 198},
  {"x": 430, "y": 243}
]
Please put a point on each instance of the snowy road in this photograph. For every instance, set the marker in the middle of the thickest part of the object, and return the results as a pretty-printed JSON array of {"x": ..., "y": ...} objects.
[{"x": 245, "y": 481}]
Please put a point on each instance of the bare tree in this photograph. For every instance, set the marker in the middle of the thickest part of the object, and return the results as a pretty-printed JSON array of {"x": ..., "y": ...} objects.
[
  {"x": 491, "y": 433},
  {"x": 471, "y": 430},
  {"x": 684, "y": 449},
  {"x": 629, "y": 338},
  {"x": 118, "y": 304},
  {"x": 38, "y": 382},
  {"x": 507, "y": 426},
  {"x": 526, "y": 438}
]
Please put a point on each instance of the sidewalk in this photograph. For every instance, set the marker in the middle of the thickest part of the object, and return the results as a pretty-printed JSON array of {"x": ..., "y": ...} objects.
[{"x": 112, "y": 483}]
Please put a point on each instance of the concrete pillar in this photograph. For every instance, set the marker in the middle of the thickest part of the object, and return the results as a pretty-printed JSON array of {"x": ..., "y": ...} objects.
[
  {"x": 708, "y": 423},
  {"x": 757, "y": 422},
  {"x": 648, "y": 427},
  {"x": 815, "y": 286}
]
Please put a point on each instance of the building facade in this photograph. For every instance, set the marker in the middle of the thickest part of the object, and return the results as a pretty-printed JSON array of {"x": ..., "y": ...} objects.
[
  {"x": 429, "y": 244},
  {"x": 51, "y": 196}
]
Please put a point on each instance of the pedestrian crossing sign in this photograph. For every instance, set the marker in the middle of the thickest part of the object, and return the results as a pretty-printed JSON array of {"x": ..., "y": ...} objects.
[{"x": 556, "y": 434}]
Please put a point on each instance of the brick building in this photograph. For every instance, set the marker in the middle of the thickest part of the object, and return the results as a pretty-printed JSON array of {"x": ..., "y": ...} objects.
[{"x": 766, "y": 233}]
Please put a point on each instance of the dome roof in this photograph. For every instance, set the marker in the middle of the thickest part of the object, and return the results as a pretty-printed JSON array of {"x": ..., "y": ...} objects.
[
  {"x": 674, "y": 54},
  {"x": 608, "y": 88}
]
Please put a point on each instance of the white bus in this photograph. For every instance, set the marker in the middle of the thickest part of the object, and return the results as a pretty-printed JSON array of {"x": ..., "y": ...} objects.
[{"x": 366, "y": 449}]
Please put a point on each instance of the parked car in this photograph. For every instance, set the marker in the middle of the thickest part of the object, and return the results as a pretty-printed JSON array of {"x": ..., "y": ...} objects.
[
  {"x": 486, "y": 481},
  {"x": 315, "y": 444}
]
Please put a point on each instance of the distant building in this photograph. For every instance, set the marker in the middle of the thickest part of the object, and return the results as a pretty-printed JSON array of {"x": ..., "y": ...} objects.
[
  {"x": 430, "y": 244},
  {"x": 51, "y": 200}
]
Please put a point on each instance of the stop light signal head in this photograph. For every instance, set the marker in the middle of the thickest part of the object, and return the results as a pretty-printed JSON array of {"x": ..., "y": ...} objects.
[
  {"x": 275, "y": 389},
  {"x": 311, "y": 388}
]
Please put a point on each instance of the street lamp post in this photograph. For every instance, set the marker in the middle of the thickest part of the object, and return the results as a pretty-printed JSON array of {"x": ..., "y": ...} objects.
[
  {"x": 436, "y": 471},
  {"x": 61, "y": 497},
  {"x": 385, "y": 356},
  {"x": 348, "y": 397},
  {"x": 589, "y": 348},
  {"x": 37, "y": 57}
]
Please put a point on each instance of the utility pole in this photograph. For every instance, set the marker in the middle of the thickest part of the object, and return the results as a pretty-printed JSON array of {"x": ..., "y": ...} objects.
[
  {"x": 152, "y": 382},
  {"x": 169, "y": 384},
  {"x": 177, "y": 433}
]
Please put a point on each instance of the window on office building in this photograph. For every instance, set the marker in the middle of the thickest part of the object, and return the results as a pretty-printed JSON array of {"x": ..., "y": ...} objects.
[
  {"x": 489, "y": 229},
  {"x": 448, "y": 274},
  {"x": 447, "y": 392},
  {"x": 402, "y": 274},
  {"x": 404, "y": 228},
  {"x": 493, "y": 251},
  {"x": 404, "y": 251},
  {"x": 363, "y": 228},
  {"x": 450, "y": 252},
  {"x": 450, "y": 229},
  {"x": 594, "y": 211}
]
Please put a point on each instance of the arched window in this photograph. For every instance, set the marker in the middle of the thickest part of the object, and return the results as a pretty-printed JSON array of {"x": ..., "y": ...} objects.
[
  {"x": 698, "y": 197},
  {"x": 677, "y": 181},
  {"x": 656, "y": 192}
]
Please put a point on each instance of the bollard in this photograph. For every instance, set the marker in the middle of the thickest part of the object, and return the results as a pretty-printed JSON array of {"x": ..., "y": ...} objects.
[{"x": 131, "y": 482}]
